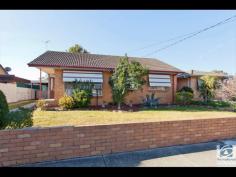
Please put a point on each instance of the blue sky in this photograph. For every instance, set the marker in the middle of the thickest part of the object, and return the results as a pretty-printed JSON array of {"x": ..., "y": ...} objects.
[{"x": 22, "y": 36}]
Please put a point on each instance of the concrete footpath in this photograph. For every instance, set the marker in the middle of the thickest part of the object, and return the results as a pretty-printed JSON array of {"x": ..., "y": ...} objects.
[
  {"x": 27, "y": 106},
  {"x": 194, "y": 155}
]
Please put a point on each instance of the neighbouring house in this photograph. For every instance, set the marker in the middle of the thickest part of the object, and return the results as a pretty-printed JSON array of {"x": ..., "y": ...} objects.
[
  {"x": 15, "y": 88},
  {"x": 192, "y": 79},
  {"x": 63, "y": 68},
  {"x": 8, "y": 78}
]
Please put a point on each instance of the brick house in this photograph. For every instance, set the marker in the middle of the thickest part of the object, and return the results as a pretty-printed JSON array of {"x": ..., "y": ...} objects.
[
  {"x": 192, "y": 79},
  {"x": 63, "y": 68}
]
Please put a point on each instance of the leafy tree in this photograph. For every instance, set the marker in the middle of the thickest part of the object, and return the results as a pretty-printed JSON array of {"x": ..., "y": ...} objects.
[
  {"x": 4, "y": 110},
  {"x": 77, "y": 49},
  {"x": 227, "y": 90},
  {"x": 208, "y": 86},
  {"x": 127, "y": 76}
]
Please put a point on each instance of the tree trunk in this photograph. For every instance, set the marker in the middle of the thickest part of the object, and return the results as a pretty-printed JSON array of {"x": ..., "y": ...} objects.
[{"x": 119, "y": 106}]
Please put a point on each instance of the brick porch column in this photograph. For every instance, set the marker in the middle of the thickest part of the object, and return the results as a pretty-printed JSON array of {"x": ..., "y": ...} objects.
[
  {"x": 49, "y": 86},
  {"x": 59, "y": 88},
  {"x": 174, "y": 87}
]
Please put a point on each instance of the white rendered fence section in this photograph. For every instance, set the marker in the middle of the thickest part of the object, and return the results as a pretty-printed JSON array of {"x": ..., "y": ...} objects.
[{"x": 14, "y": 93}]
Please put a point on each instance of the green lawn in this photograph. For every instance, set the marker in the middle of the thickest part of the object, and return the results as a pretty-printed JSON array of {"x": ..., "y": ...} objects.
[
  {"x": 78, "y": 117},
  {"x": 19, "y": 104}
]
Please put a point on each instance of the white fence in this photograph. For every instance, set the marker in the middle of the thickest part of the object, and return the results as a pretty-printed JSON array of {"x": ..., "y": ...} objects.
[{"x": 14, "y": 93}]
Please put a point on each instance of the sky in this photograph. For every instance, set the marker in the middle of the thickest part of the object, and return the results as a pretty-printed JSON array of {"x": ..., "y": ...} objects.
[{"x": 115, "y": 32}]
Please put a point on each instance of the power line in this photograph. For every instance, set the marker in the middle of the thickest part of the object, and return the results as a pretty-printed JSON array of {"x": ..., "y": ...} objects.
[
  {"x": 192, "y": 35},
  {"x": 161, "y": 42}
]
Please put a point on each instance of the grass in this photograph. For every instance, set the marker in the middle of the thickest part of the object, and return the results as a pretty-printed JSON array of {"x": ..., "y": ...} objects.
[
  {"x": 19, "y": 104},
  {"x": 78, "y": 117}
]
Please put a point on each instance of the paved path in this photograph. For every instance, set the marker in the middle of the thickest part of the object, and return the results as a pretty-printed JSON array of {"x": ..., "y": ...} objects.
[
  {"x": 203, "y": 154},
  {"x": 27, "y": 106}
]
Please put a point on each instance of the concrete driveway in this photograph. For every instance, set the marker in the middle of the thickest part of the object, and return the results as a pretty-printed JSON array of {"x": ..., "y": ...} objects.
[{"x": 195, "y": 155}]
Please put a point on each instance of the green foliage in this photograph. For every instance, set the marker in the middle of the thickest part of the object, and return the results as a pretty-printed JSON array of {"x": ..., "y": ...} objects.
[
  {"x": 186, "y": 89},
  {"x": 82, "y": 93},
  {"x": 184, "y": 97},
  {"x": 4, "y": 110},
  {"x": 41, "y": 104},
  {"x": 208, "y": 86},
  {"x": 220, "y": 104},
  {"x": 86, "y": 85},
  {"x": 66, "y": 102},
  {"x": 151, "y": 101},
  {"x": 233, "y": 106},
  {"x": 81, "y": 98},
  {"x": 20, "y": 119},
  {"x": 127, "y": 76},
  {"x": 77, "y": 49}
]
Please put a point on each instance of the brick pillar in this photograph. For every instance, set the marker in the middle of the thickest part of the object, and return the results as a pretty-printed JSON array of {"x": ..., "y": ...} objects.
[
  {"x": 49, "y": 86},
  {"x": 59, "y": 84},
  {"x": 174, "y": 87}
]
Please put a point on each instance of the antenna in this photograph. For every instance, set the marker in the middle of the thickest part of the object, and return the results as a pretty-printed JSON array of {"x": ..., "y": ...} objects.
[{"x": 46, "y": 44}]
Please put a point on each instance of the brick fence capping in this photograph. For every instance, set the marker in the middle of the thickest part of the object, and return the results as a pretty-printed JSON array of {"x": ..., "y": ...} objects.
[{"x": 36, "y": 144}]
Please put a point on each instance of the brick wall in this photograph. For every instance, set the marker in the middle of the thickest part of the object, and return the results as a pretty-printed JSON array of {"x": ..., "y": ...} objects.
[
  {"x": 166, "y": 96},
  {"x": 42, "y": 144},
  {"x": 59, "y": 88}
]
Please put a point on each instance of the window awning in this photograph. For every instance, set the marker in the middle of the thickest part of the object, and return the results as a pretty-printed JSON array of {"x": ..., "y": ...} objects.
[{"x": 83, "y": 76}]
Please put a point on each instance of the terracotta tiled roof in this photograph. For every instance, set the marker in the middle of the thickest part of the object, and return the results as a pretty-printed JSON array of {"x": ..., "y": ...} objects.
[{"x": 85, "y": 60}]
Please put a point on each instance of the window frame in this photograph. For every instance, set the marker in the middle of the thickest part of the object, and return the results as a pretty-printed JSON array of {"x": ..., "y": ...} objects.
[
  {"x": 83, "y": 76},
  {"x": 159, "y": 80}
]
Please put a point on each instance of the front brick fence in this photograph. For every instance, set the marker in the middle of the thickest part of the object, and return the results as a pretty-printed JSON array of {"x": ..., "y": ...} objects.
[{"x": 42, "y": 144}]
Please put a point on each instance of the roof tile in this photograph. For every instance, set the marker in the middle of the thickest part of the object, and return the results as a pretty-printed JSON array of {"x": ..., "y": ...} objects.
[{"x": 86, "y": 60}]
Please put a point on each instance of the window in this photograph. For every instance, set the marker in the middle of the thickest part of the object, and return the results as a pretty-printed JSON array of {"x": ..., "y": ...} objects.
[
  {"x": 157, "y": 80},
  {"x": 199, "y": 83},
  {"x": 83, "y": 76}
]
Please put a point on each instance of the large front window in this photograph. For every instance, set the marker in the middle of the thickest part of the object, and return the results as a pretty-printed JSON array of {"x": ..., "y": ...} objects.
[
  {"x": 158, "y": 80},
  {"x": 83, "y": 76}
]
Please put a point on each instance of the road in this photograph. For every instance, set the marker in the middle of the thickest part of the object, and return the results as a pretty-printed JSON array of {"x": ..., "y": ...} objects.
[{"x": 195, "y": 155}]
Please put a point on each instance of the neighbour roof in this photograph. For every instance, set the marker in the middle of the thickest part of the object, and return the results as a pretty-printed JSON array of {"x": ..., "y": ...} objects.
[
  {"x": 94, "y": 61},
  {"x": 211, "y": 73},
  {"x": 202, "y": 73},
  {"x": 12, "y": 78},
  {"x": 1, "y": 67}
]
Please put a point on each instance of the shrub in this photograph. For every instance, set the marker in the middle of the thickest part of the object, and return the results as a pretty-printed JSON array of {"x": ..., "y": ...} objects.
[
  {"x": 66, "y": 102},
  {"x": 20, "y": 119},
  {"x": 41, "y": 104},
  {"x": 151, "y": 101},
  {"x": 184, "y": 97},
  {"x": 81, "y": 98},
  {"x": 4, "y": 110},
  {"x": 220, "y": 104},
  {"x": 233, "y": 106},
  {"x": 186, "y": 89}
]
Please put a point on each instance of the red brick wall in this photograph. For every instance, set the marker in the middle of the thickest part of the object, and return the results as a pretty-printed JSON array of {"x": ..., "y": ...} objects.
[
  {"x": 41, "y": 144},
  {"x": 166, "y": 96}
]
